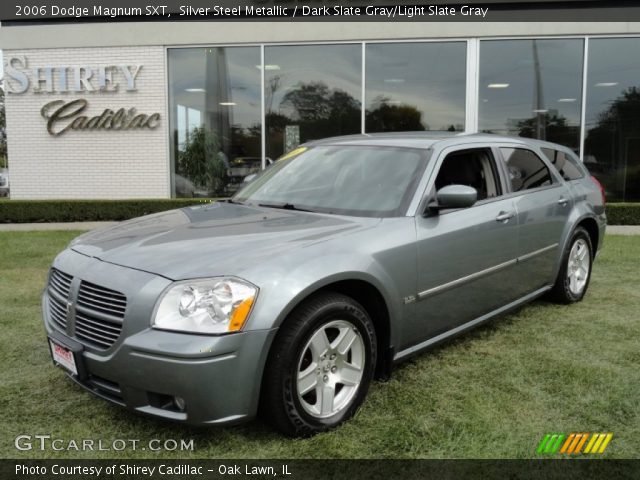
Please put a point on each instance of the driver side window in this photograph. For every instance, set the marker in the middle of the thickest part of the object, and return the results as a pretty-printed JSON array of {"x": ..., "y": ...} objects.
[{"x": 473, "y": 167}]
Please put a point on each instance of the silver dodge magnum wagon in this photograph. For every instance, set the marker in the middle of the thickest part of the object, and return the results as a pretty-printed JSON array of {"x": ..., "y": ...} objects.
[{"x": 343, "y": 258}]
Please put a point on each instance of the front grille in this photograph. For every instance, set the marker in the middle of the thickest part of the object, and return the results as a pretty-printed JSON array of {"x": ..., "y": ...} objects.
[
  {"x": 102, "y": 299},
  {"x": 60, "y": 282},
  {"x": 95, "y": 331},
  {"x": 99, "y": 311},
  {"x": 59, "y": 287},
  {"x": 58, "y": 313},
  {"x": 99, "y": 315}
]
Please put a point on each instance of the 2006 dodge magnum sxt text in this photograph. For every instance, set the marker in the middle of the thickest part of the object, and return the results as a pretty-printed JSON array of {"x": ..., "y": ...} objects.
[{"x": 346, "y": 256}]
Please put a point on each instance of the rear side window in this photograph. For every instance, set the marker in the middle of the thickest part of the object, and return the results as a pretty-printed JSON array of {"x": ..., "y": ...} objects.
[
  {"x": 526, "y": 169},
  {"x": 564, "y": 163}
]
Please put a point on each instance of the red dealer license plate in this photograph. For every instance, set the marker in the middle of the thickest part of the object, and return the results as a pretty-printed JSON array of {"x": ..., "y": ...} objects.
[{"x": 63, "y": 357}]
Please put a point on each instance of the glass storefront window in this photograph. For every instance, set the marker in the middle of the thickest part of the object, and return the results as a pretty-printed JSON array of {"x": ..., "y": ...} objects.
[
  {"x": 612, "y": 130},
  {"x": 215, "y": 119},
  {"x": 415, "y": 86},
  {"x": 532, "y": 88},
  {"x": 311, "y": 92}
]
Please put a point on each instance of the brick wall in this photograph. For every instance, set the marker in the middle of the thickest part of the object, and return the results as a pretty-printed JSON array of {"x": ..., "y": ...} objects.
[{"x": 84, "y": 163}]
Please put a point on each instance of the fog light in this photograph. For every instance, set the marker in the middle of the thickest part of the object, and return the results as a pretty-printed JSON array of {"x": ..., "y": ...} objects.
[{"x": 179, "y": 403}]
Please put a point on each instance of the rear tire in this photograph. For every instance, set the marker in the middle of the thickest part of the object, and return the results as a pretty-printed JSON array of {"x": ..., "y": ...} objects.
[
  {"x": 320, "y": 366},
  {"x": 575, "y": 271}
]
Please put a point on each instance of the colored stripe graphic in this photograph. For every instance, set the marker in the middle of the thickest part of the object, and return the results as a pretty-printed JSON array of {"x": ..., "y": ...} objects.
[
  {"x": 573, "y": 443},
  {"x": 550, "y": 443},
  {"x": 581, "y": 443},
  {"x": 598, "y": 443}
]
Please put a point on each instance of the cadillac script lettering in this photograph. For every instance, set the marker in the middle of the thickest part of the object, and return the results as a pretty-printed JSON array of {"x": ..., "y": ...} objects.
[{"x": 63, "y": 116}]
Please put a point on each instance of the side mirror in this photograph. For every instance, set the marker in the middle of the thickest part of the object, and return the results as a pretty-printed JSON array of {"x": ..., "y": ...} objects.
[{"x": 455, "y": 196}]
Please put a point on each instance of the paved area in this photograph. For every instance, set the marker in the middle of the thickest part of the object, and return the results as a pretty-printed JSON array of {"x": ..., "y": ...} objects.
[
  {"x": 623, "y": 229},
  {"x": 22, "y": 227},
  {"x": 13, "y": 227}
]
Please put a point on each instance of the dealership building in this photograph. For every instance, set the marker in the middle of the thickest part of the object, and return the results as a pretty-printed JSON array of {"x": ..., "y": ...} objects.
[{"x": 179, "y": 109}]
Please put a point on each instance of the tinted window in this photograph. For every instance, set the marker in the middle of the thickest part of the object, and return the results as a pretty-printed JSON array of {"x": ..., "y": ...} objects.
[
  {"x": 532, "y": 88},
  {"x": 564, "y": 163},
  {"x": 311, "y": 92},
  {"x": 214, "y": 109},
  {"x": 526, "y": 169},
  {"x": 415, "y": 86},
  {"x": 474, "y": 168},
  {"x": 612, "y": 131}
]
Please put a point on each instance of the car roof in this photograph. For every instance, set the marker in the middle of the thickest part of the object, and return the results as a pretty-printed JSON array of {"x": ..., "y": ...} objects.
[{"x": 428, "y": 140}]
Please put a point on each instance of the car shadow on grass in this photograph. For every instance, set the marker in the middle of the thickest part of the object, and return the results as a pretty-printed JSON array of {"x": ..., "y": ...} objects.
[{"x": 256, "y": 431}]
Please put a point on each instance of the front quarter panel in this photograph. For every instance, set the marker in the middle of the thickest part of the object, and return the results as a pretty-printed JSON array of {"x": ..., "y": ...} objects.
[{"x": 383, "y": 256}]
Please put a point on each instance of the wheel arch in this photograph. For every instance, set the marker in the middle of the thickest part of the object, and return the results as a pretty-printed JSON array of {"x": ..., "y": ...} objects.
[
  {"x": 591, "y": 226},
  {"x": 373, "y": 300},
  {"x": 367, "y": 295}
]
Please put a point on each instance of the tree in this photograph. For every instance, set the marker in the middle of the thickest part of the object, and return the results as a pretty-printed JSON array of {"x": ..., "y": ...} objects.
[
  {"x": 554, "y": 127},
  {"x": 318, "y": 110},
  {"x": 613, "y": 145},
  {"x": 393, "y": 118},
  {"x": 619, "y": 121},
  {"x": 308, "y": 102},
  {"x": 201, "y": 161}
]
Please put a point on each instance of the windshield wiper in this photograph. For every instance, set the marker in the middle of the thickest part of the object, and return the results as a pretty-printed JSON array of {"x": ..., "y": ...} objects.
[
  {"x": 230, "y": 200},
  {"x": 284, "y": 206}
]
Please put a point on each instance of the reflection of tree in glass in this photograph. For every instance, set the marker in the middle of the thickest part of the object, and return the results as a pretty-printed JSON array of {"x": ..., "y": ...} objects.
[
  {"x": 313, "y": 101},
  {"x": 320, "y": 112},
  {"x": 554, "y": 128},
  {"x": 387, "y": 117},
  {"x": 245, "y": 141},
  {"x": 620, "y": 120},
  {"x": 202, "y": 161},
  {"x": 613, "y": 144}
]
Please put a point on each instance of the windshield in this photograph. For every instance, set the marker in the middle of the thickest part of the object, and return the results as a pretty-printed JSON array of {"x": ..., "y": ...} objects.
[{"x": 361, "y": 181}]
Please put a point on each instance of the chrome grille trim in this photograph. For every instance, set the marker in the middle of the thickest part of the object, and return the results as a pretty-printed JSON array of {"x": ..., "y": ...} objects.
[
  {"x": 58, "y": 314},
  {"x": 113, "y": 329},
  {"x": 100, "y": 299},
  {"x": 60, "y": 282},
  {"x": 96, "y": 314},
  {"x": 99, "y": 315}
]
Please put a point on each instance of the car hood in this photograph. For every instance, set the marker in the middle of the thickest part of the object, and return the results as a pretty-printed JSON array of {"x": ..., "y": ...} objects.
[{"x": 216, "y": 239}]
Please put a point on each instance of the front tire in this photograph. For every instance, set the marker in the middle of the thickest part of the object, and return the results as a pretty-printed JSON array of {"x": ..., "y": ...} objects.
[
  {"x": 320, "y": 366},
  {"x": 575, "y": 271}
]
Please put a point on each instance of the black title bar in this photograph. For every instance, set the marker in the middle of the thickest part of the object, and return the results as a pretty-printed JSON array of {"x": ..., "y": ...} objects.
[
  {"x": 48, "y": 11},
  {"x": 565, "y": 469}
]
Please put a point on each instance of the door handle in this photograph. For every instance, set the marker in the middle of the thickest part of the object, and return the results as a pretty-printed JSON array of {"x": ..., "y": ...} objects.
[
  {"x": 563, "y": 201},
  {"x": 504, "y": 217}
]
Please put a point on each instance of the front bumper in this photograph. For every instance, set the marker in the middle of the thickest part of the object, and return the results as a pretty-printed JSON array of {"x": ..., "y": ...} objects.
[{"x": 218, "y": 377}]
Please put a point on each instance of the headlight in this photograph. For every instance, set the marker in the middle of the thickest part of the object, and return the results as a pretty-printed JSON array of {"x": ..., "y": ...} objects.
[{"x": 214, "y": 305}]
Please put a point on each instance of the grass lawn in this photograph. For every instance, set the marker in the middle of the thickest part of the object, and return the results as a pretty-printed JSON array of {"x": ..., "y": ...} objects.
[{"x": 491, "y": 393}]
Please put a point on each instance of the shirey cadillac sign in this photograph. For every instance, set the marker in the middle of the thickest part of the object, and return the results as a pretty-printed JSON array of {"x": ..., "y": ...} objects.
[{"x": 64, "y": 115}]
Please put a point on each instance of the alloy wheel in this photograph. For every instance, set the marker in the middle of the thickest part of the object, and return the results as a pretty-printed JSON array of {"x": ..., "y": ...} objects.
[
  {"x": 330, "y": 369},
  {"x": 578, "y": 266}
]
